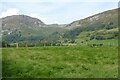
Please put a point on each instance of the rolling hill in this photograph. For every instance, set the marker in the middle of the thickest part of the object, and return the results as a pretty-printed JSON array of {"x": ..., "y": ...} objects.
[
  {"x": 25, "y": 29},
  {"x": 19, "y": 28},
  {"x": 102, "y": 26}
]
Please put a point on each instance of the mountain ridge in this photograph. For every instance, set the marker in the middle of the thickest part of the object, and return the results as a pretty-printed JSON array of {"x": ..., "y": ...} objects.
[{"x": 22, "y": 28}]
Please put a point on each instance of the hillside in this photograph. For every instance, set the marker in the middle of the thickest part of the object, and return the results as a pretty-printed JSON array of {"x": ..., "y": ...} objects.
[
  {"x": 25, "y": 29},
  {"x": 19, "y": 28},
  {"x": 102, "y": 26}
]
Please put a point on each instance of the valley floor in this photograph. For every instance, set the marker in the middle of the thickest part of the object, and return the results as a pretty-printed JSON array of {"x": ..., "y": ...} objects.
[{"x": 60, "y": 62}]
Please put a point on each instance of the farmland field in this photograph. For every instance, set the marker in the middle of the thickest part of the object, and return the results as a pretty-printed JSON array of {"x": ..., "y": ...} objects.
[{"x": 60, "y": 62}]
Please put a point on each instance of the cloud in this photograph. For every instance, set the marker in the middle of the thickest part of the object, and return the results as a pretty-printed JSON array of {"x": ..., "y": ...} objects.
[{"x": 9, "y": 12}]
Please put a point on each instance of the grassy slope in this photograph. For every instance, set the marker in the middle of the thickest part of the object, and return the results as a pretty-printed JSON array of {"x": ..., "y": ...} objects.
[
  {"x": 95, "y": 24},
  {"x": 81, "y": 62},
  {"x": 111, "y": 42},
  {"x": 105, "y": 33}
]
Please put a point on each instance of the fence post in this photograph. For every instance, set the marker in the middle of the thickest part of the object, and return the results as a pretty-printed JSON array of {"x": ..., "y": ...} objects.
[{"x": 17, "y": 45}]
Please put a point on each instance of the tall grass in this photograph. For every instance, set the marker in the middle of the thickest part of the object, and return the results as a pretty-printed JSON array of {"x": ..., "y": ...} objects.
[{"x": 60, "y": 62}]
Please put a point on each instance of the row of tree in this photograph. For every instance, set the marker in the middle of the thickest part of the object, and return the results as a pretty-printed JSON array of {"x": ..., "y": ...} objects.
[{"x": 36, "y": 43}]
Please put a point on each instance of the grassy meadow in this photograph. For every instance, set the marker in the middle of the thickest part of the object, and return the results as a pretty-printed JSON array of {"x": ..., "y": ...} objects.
[{"x": 60, "y": 62}]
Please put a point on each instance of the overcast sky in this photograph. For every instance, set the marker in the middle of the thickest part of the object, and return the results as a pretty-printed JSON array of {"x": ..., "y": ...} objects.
[{"x": 56, "y": 11}]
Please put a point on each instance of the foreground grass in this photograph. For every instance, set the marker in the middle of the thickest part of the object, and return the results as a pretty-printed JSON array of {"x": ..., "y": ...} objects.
[{"x": 60, "y": 62}]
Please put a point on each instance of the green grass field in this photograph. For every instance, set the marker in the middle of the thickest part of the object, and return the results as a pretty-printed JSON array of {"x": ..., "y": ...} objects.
[
  {"x": 60, "y": 62},
  {"x": 112, "y": 42}
]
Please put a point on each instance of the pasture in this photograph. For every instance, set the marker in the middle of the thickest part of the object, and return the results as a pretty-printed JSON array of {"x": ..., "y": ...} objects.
[{"x": 60, "y": 62}]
